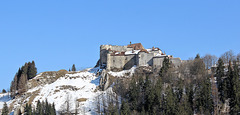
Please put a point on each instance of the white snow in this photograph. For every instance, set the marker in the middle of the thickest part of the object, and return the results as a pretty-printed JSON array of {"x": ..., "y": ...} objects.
[
  {"x": 71, "y": 87},
  {"x": 4, "y": 97},
  {"x": 123, "y": 73},
  {"x": 160, "y": 55},
  {"x": 132, "y": 52}
]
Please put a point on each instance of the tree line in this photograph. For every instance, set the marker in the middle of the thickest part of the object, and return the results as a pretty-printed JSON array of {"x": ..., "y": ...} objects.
[{"x": 25, "y": 73}]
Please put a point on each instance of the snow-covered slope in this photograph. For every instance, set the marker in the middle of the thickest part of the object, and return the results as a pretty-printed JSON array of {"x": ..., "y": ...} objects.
[
  {"x": 4, "y": 97},
  {"x": 79, "y": 89},
  {"x": 73, "y": 87}
]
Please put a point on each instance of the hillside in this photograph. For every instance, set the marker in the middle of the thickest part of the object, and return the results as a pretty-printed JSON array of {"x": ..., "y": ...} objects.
[{"x": 79, "y": 89}]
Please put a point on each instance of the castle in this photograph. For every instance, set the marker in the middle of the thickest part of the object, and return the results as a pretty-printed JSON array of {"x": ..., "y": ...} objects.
[{"x": 116, "y": 58}]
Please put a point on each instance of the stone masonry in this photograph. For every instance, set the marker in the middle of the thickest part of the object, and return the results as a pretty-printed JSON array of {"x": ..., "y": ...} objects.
[{"x": 118, "y": 58}]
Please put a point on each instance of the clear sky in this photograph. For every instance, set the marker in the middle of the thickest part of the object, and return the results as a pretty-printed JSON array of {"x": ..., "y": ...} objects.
[{"x": 59, "y": 33}]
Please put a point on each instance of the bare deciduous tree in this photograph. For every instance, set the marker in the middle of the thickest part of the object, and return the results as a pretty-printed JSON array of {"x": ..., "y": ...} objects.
[
  {"x": 209, "y": 60},
  {"x": 76, "y": 106},
  {"x": 238, "y": 57},
  {"x": 228, "y": 56},
  {"x": 66, "y": 107}
]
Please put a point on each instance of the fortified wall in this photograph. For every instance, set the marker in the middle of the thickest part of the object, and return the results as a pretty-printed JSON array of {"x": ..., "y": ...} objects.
[{"x": 118, "y": 58}]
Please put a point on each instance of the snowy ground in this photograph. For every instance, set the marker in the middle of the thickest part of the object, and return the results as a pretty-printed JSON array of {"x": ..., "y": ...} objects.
[
  {"x": 4, "y": 98},
  {"x": 81, "y": 86},
  {"x": 124, "y": 73}
]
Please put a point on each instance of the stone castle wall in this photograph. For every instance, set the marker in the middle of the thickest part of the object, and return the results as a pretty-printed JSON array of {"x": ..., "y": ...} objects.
[
  {"x": 123, "y": 62},
  {"x": 145, "y": 59},
  {"x": 117, "y": 63},
  {"x": 104, "y": 50},
  {"x": 157, "y": 62}
]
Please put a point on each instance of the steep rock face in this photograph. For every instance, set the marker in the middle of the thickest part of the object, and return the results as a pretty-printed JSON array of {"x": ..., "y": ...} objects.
[
  {"x": 104, "y": 80},
  {"x": 109, "y": 77}
]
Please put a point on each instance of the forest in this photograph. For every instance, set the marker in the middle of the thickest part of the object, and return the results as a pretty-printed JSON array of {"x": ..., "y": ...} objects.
[{"x": 203, "y": 85}]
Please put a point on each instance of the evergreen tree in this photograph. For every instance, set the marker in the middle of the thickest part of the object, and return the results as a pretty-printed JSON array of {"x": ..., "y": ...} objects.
[
  {"x": 44, "y": 108},
  {"x": 235, "y": 95},
  {"x": 24, "y": 69},
  {"x": 53, "y": 109},
  {"x": 225, "y": 90},
  {"x": 32, "y": 70},
  {"x": 5, "y": 109},
  {"x": 204, "y": 101},
  {"x": 133, "y": 95},
  {"x": 158, "y": 94},
  {"x": 22, "y": 84},
  {"x": 170, "y": 102},
  {"x": 190, "y": 96},
  {"x": 229, "y": 82},
  {"x": 179, "y": 90},
  {"x": 185, "y": 107},
  {"x": 198, "y": 67},
  {"x": 26, "y": 72},
  {"x": 39, "y": 109},
  {"x": 125, "y": 108},
  {"x": 47, "y": 107},
  {"x": 28, "y": 109},
  {"x": 4, "y": 91},
  {"x": 149, "y": 94},
  {"x": 165, "y": 66},
  {"x": 197, "y": 56},
  {"x": 220, "y": 75},
  {"x": 73, "y": 67}
]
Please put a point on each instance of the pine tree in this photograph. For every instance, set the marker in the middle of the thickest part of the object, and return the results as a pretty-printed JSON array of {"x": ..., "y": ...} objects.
[
  {"x": 5, "y": 109},
  {"x": 4, "y": 91},
  {"x": 185, "y": 107},
  {"x": 125, "y": 108},
  {"x": 26, "y": 72},
  {"x": 32, "y": 70},
  {"x": 204, "y": 101},
  {"x": 198, "y": 67},
  {"x": 22, "y": 84},
  {"x": 170, "y": 102},
  {"x": 28, "y": 109},
  {"x": 149, "y": 95},
  {"x": 73, "y": 67},
  {"x": 39, "y": 109},
  {"x": 53, "y": 109},
  {"x": 197, "y": 56},
  {"x": 165, "y": 66},
  {"x": 220, "y": 75},
  {"x": 158, "y": 94},
  {"x": 47, "y": 107},
  {"x": 24, "y": 69},
  {"x": 230, "y": 75},
  {"x": 179, "y": 90},
  {"x": 133, "y": 94},
  {"x": 190, "y": 96},
  {"x": 235, "y": 95}
]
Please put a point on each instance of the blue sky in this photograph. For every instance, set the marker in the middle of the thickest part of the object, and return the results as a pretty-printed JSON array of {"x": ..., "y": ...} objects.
[{"x": 59, "y": 33}]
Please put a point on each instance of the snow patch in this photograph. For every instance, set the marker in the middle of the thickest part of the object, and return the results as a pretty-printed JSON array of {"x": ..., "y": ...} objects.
[{"x": 123, "y": 73}]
